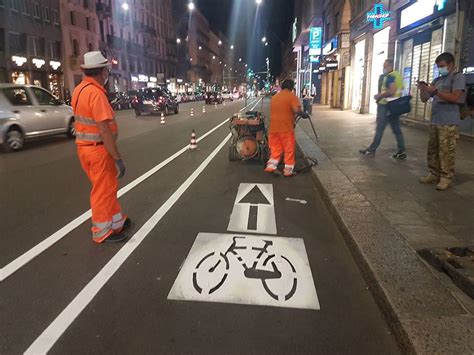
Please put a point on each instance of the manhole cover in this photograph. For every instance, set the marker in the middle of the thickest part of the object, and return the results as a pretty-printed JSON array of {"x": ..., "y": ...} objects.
[{"x": 457, "y": 262}]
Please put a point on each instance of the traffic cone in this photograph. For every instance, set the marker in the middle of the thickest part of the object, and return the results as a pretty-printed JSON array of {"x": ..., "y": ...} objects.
[
  {"x": 163, "y": 118},
  {"x": 192, "y": 112},
  {"x": 193, "y": 144},
  {"x": 204, "y": 109}
]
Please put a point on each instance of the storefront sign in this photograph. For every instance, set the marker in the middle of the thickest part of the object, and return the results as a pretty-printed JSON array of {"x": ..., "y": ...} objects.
[
  {"x": 19, "y": 60},
  {"x": 331, "y": 65},
  {"x": 180, "y": 81},
  {"x": 314, "y": 58},
  {"x": 420, "y": 12},
  {"x": 142, "y": 78},
  {"x": 153, "y": 79},
  {"x": 330, "y": 46},
  {"x": 38, "y": 62},
  {"x": 315, "y": 36},
  {"x": 378, "y": 17},
  {"x": 134, "y": 79},
  {"x": 54, "y": 64},
  {"x": 295, "y": 30}
]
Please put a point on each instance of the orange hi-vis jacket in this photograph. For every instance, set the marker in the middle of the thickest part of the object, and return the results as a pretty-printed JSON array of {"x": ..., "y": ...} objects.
[{"x": 91, "y": 105}]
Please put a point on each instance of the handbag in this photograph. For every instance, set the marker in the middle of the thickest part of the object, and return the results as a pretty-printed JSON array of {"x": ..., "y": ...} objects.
[{"x": 399, "y": 106}]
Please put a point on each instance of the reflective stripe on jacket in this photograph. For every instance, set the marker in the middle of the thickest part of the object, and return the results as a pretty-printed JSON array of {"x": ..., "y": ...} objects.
[{"x": 90, "y": 105}]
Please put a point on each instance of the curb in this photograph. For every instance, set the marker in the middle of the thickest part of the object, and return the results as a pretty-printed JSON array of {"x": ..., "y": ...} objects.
[{"x": 422, "y": 313}]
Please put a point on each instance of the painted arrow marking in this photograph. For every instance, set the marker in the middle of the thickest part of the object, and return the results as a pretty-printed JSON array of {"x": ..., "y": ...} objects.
[{"x": 254, "y": 210}]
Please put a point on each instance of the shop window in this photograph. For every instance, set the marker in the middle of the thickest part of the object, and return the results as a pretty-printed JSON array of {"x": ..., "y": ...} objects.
[
  {"x": 44, "y": 98},
  {"x": 17, "y": 96},
  {"x": 47, "y": 17}
]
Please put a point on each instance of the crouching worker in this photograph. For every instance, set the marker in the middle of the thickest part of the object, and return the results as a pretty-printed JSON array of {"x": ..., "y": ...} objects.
[{"x": 284, "y": 106}]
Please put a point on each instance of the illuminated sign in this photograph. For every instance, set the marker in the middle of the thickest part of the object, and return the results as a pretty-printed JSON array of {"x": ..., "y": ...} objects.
[
  {"x": 54, "y": 64},
  {"x": 295, "y": 29},
  {"x": 38, "y": 62},
  {"x": 19, "y": 60},
  {"x": 378, "y": 17},
  {"x": 134, "y": 79},
  {"x": 153, "y": 79},
  {"x": 315, "y": 39},
  {"x": 142, "y": 78},
  {"x": 420, "y": 10},
  {"x": 330, "y": 46},
  {"x": 180, "y": 80},
  {"x": 314, "y": 58}
]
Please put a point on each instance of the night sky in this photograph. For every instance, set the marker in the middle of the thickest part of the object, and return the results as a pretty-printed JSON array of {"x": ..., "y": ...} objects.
[{"x": 237, "y": 20}]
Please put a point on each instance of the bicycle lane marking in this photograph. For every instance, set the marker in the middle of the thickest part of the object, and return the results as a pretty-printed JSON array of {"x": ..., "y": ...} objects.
[
  {"x": 38, "y": 249},
  {"x": 62, "y": 322},
  {"x": 247, "y": 269}
]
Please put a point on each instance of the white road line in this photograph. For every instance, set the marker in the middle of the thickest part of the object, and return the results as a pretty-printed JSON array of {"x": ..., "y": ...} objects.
[
  {"x": 53, "y": 332},
  {"x": 25, "y": 258}
]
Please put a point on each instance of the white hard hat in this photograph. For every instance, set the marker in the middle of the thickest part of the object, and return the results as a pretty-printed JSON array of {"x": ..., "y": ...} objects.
[{"x": 93, "y": 60}]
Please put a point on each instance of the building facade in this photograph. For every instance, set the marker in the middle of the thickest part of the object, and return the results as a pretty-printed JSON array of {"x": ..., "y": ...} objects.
[
  {"x": 30, "y": 44},
  {"x": 79, "y": 26},
  {"x": 140, "y": 41}
]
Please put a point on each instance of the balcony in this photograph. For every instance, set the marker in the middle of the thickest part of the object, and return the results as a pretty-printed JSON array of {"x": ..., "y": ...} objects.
[{"x": 103, "y": 10}]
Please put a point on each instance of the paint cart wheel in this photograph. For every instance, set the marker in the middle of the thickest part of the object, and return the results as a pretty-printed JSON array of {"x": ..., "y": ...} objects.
[
  {"x": 233, "y": 155},
  {"x": 210, "y": 273},
  {"x": 284, "y": 287}
]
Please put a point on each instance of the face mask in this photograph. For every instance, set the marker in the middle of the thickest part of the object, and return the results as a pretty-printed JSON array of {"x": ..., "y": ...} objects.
[{"x": 443, "y": 71}]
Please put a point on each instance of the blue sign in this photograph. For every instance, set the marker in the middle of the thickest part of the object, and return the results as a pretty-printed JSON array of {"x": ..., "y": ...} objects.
[
  {"x": 378, "y": 17},
  {"x": 315, "y": 40}
]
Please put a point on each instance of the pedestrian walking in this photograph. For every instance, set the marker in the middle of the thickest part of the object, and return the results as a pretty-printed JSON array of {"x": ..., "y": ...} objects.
[
  {"x": 284, "y": 106},
  {"x": 391, "y": 89},
  {"x": 96, "y": 134},
  {"x": 446, "y": 93}
]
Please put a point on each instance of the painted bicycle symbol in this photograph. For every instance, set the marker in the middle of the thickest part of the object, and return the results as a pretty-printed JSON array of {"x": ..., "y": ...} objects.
[{"x": 276, "y": 272}]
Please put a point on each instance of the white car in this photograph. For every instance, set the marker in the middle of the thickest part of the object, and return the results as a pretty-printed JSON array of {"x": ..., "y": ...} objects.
[
  {"x": 227, "y": 95},
  {"x": 29, "y": 112}
]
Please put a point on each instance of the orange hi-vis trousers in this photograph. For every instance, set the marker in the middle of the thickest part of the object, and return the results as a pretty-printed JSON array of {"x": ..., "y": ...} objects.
[
  {"x": 282, "y": 144},
  {"x": 100, "y": 168}
]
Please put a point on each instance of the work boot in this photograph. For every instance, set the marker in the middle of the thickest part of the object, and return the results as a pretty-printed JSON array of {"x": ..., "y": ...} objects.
[
  {"x": 116, "y": 238},
  {"x": 271, "y": 168},
  {"x": 289, "y": 171},
  {"x": 443, "y": 184},
  {"x": 429, "y": 179}
]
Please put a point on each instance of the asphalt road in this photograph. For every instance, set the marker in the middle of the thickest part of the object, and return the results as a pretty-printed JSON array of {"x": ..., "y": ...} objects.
[{"x": 78, "y": 297}]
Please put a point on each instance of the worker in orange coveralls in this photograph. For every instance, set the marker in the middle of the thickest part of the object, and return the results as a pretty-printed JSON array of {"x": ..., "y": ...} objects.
[
  {"x": 96, "y": 134},
  {"x": 284, "y": 106}
]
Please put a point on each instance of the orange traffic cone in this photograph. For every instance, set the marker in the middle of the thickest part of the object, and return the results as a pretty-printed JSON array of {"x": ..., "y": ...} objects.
[
  {"x": 204, "y": 109},
  {"x": 163, "y": 118},
  {"x": 192, "y": 112},
  {"x": 193, "y": 144}
]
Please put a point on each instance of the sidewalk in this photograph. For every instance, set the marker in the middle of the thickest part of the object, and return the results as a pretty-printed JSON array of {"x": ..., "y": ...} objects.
[{"x": 387, "y": 216}]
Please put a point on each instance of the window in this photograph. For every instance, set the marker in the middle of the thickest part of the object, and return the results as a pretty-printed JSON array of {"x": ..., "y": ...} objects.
[
  {"x": 17, "y": 43},
  {"x": 36, "y": 13},
  {"x": 75, "y": 47},
  {"x": 25, "y": 9},
  {"x": 71, "y": 17},
  {"x": 55, "y": 50},
  {"x": 38, "y": 47},
  {"x": 44, "y": 98},
  {"x": 88, "y": 25},
  {"x": 14, "y": 5},
  {"x": 17, "y": 96},
  {"x": 47, "y": 17},
  {"x": 91, "y": 47},
  {"x": 55, "y": 16}
]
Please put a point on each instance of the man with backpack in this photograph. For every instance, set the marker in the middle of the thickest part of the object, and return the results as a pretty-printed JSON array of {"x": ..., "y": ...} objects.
[{"x": 447, "y": 92}]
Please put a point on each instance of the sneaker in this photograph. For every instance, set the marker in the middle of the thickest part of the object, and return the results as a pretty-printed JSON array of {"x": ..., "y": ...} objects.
[
  {"x": 429, "y": 179},
  {"x": 270, "y": 169},
  {"x": 367, "y": 152},
  {"x": 443, "y": 184},
  {"x": 400, "y": 156}
]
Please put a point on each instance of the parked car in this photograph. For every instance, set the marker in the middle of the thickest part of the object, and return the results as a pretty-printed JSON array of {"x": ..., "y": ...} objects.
[
  {"x": 227, "y": 95},
  {"x": 213, "y": 97},
  {"x": 154, "y": 100},
  {"x": 29, "y": 112}
]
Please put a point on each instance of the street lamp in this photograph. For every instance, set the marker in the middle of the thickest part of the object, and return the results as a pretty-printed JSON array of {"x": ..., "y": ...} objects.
[
  {"x": 219, "y": 43},
  {"x": 213, "y": 57},
  {"x": 258, "y": 2},
  {"x": 266, "y": 44},
  {"x": 125, "y": 6},
  {"x": 264, "y": 39},
  {"x": 232, "y": 47},
  {"x": 240, "y": 59},
  {"x": 178, "y": 40},
  {"x": 200, "y": 48},
  {"x": 191, "y": 6}
]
